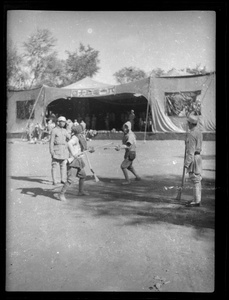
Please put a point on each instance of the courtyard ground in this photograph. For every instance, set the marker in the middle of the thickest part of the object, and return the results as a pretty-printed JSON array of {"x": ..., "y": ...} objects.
[{"x": 135, "y": 238}]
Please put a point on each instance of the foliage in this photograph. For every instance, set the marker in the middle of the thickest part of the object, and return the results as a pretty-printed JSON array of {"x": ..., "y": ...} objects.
[
  {"x": 157, "y": 72},
  {"x": 40, "y": 65},
  {"x": 53, "y": 73},
  {"x": 129, "y": 74},
  {"x": 39, "y": 52},
  {"x": 197, "y": 70},
  {"x": 13, "y": 68},
  {"x": 80, "y": 64}
]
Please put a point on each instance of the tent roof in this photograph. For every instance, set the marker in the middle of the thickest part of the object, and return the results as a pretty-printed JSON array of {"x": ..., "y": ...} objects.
[{"x": 86, "y": 83}]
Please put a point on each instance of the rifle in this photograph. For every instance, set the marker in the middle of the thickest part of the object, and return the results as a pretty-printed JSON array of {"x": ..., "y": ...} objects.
[
  {"x": 183, "y": 178},
  {"x": 183, "y": 174}
]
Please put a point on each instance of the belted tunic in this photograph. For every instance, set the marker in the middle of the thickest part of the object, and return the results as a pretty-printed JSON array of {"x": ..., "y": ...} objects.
[
  {"x": 193, "y": 161},
  {"x": 58, "y": 143}
]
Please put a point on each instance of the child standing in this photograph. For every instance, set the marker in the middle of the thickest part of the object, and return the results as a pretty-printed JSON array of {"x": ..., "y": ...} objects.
[
  {"x": 129, "y": 144},
  {"x": 75, "y": 164}
]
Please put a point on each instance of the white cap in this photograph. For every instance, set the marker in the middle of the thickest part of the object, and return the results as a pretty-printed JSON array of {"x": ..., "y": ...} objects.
[{"x": 62, "y": 119}]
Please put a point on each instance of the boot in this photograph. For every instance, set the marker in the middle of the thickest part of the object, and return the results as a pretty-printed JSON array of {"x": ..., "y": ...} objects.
[
  {"x": 196, "y": 195},
  {"x": 63, "y": 191},
  {"x": 197, "y": 192},
  {"x": 62, "y": 197},
  {"x": 81, "y": 188}
]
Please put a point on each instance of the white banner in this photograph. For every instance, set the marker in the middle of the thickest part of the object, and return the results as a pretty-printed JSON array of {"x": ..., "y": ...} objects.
[{"x": 92, "y": 92}]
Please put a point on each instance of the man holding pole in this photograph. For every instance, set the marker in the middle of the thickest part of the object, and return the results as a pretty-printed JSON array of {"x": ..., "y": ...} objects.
[
  {"x": 75, "y": 164},
  {"x": 129, "y": 144},
  {"x": 193, "y": 160}
]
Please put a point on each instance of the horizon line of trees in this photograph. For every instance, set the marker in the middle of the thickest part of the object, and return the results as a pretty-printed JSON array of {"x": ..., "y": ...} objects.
[{"x": 39, "y": 64}]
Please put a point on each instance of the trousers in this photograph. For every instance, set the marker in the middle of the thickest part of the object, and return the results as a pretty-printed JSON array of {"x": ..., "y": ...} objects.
[
  {"x": 72, "y": 173},
  {"x": 59, "y": 164},
  {"x": 196, "y": 182}
]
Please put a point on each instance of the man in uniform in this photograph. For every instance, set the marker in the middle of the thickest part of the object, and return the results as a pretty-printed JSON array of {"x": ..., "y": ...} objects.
[
  {"x": 193, "y": 160},
  {"x": 59, "y": 150}
]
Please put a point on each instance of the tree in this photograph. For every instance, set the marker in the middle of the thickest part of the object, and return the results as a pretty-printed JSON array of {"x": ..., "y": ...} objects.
[
  {"x": 13, "y": 67},
  {"x": 39, "y": 52},
  {"x": 53, "y": 74},
  {"x": 197, "y": 70},
  {"x": 157, "y": 72},
  {"x": 129, "y": 74},
  {"x": 80, "y": 64}
]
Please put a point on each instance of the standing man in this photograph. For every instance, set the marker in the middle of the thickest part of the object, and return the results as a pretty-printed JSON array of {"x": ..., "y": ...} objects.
[
  {"x": 131, "y": 119},
  {"x": 107, "y": 121},
  {"x": 193, "y": 161},
  {"x": 58, "y": 149}
]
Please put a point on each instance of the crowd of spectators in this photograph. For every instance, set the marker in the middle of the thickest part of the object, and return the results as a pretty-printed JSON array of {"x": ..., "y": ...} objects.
[{"x": 108, "y": 121}]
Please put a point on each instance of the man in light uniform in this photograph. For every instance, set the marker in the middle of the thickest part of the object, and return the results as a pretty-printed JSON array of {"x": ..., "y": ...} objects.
[
  {"x": 193, "y": 160},
  {"x": 59, "y": 150}
]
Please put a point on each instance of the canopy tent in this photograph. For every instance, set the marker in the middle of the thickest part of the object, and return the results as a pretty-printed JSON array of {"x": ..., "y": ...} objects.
[
  {"x": 168, "y": 98},
  {"x": 86, "y": 83}
]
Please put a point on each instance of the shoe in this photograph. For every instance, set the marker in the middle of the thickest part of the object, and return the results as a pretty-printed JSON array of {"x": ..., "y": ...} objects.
[
  {"x": 138, "y": 178},
  {"x": 63, "y": 182},
  {"x": 62, "y": 197},
  {"x": 125, "y": 182},
  {"x": 83, "y": 193},
  {"x": 193, "y": 204}
]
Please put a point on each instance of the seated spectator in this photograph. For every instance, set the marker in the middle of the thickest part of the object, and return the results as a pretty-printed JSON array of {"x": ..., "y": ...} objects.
[
  {"x": 29, "y": 130},
  {"x": 75, "y": 122},
  {"x": 141, "y": 124},
  {"x": 88, "y": 121}
]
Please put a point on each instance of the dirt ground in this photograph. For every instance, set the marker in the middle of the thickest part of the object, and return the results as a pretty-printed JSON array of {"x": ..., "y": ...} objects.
[{"x": 135, "y": 238}]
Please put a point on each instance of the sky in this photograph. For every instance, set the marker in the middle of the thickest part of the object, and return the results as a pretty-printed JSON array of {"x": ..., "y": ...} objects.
[{"x": 142, "y": 39}]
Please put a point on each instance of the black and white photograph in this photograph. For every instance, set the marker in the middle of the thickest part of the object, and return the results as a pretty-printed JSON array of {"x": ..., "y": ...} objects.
[{"x": 111, "y": 151}]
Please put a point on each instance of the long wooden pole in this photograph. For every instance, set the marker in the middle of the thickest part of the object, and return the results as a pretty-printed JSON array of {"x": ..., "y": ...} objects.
[
  {"x": 147, "y": 110},
  {"x": 183, "y": 179},
  {"x": 183, "y": 174}
]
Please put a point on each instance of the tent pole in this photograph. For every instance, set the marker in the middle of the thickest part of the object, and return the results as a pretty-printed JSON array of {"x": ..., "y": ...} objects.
[
  {"x": 147, "y": 111},
  {"x": 34, "y": 106}
]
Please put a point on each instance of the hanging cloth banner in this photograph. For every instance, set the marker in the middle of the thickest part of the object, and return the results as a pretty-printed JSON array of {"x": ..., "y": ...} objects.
[
  {"x": 92, "y": 92},
  {"x": 180, "y": 104}
]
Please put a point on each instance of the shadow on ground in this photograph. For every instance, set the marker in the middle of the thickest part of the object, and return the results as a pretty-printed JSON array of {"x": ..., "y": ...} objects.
[
  {"x": 148, "y": 201},
  {"x": 38, "y": 179},
  {"x": 37, "y": 191},
  {"x": 151, "y": 200}
]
